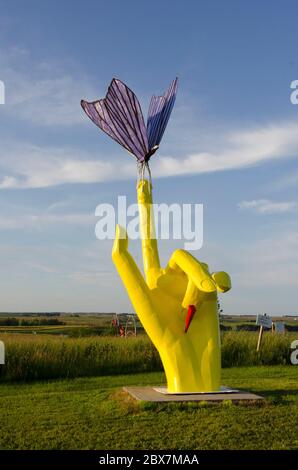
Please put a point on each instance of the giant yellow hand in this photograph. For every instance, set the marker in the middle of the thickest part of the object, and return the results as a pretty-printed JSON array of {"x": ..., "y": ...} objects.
[{"x": 191, "y": 359}]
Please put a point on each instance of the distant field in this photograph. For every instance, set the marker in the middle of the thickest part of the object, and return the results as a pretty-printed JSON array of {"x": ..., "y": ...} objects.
[
  {"x": 32, "y": 357},
  {"x": 94, "y": 413},
  {"x": 70, "y": 325},
  {"x": 82, "y": 325}
]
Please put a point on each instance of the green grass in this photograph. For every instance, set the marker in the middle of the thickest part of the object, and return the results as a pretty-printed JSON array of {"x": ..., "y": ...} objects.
[
  {"x": 93, "y": 413},
  {"x": 32, "y": 357}
]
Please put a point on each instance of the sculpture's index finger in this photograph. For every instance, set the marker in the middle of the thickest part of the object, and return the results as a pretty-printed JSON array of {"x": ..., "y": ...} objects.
[{"x": 147, "y": 231}]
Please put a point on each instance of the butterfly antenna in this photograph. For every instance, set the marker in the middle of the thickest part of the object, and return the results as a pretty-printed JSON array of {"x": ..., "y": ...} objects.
[
  {"x": 139, "y": 165},
  {"x": 141, "y": 168},
  {"x": 143, "y": 173},
  {"x": 149, "y": 173}
]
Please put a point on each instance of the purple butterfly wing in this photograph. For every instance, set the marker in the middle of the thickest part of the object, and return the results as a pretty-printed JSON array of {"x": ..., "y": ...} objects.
[
  {"x": 120, "y": 116},
  {"x": 159, "y": 112}
]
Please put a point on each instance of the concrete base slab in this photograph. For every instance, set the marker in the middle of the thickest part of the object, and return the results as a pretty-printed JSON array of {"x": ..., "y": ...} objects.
[
  {"x": 164, "y": 390},
  {"x": 151, "y": 394}
]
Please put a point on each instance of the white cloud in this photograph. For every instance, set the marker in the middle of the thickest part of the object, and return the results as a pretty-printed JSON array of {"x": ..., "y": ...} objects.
[
  {"x": 31, "y": 166},
  {"x": 82, "y": 276},
  {"x": 266, "y": 206},
  {"x": 58, "y": 205},
  {"x": 43, "y": 93},
  {"x": 241, "y": 149},
  {"x": 92, "y": 277},
  {"x": 44, "y": 268},
  {"x": 39, "y": 221},
  {"x": 52, "y": 101}
]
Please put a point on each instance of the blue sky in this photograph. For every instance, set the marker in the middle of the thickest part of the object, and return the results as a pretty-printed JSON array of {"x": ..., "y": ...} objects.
[{"x": 232, "y": 144}]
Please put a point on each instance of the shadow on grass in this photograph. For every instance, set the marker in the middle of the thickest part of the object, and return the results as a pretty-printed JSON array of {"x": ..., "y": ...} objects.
[
  {"x": 278, "y": 396},
  {"x": 279, "y": 392}
]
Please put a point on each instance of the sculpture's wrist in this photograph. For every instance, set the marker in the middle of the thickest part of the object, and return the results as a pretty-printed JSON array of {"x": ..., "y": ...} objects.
[{"x": 187, "y": 370}]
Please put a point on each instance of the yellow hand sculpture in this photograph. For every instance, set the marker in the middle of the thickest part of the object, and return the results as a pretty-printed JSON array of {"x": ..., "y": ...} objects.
[{"x": 191, "y": 360}]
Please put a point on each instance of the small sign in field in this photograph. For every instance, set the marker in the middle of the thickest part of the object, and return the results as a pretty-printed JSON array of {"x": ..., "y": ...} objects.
[
  {"x": 279, "y": 327},
  {"x": 264, "y": 320}
]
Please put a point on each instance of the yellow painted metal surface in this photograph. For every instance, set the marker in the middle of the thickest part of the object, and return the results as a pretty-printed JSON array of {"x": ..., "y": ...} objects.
[{"x": 191, "y": 360}]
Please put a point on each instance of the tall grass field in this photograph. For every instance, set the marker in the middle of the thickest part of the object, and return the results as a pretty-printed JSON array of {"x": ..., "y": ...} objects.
[{"x": 34, "y": 357}]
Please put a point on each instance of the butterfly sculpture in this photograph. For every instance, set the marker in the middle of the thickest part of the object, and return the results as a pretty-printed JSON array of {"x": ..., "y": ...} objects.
[{"x": 120, "y": 116}]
